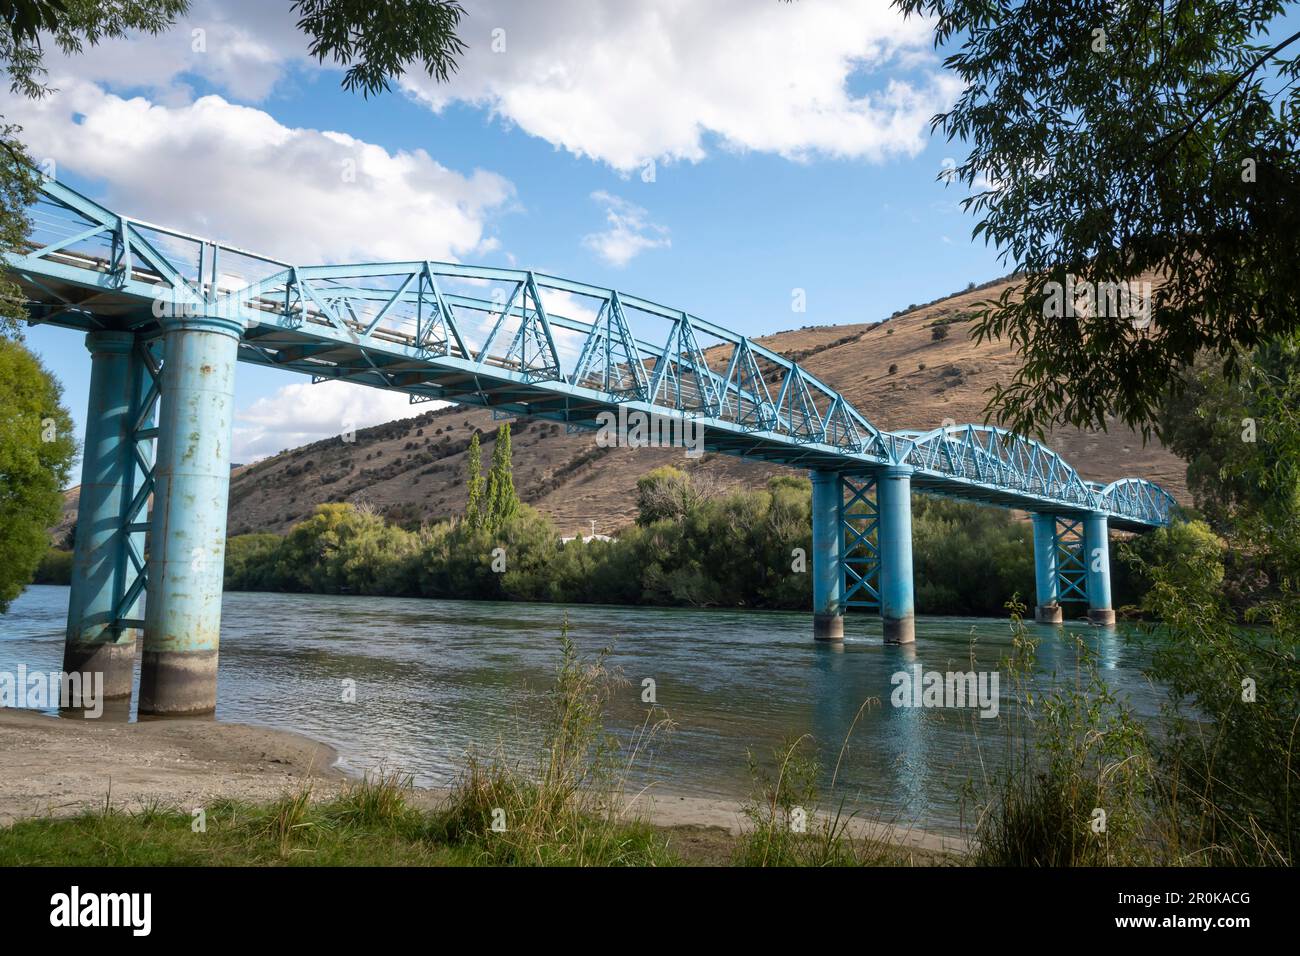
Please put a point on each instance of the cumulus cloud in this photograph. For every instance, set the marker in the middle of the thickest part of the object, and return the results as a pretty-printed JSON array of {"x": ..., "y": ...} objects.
[
  {"x": 244, "y": 47},
  {"x": 302, "y": 413},
  {"x": 237, "y": 174},
  {"x": 630, "y": 233},
  {"x": 623, "y": 83}
]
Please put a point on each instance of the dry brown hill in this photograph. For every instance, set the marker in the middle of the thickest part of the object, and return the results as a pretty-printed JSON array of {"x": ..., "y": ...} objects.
[{"x": 413, "y": 469}]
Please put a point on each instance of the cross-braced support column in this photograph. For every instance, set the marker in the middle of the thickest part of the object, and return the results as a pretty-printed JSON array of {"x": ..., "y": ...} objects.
[
  {"x": 188, "y": 526},
  {"x": 1048, "y": 607},
  {"x": 894, "y": 500},
  {"x": 109, "y": 545},
  {"x": 1096, "y": 547},
  {"x": 827, "y": 565}
]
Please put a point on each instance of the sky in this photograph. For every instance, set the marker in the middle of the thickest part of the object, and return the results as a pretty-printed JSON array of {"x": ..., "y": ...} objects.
[{"x": 731, "y": 158}]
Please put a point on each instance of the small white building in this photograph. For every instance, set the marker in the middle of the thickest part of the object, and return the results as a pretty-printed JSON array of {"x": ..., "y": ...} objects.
[{"x": 587, "y": 537}]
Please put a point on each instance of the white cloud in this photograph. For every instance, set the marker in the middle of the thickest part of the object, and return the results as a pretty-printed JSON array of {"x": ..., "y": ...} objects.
[
  {"x": 626, "y": 82},
  {"x": 302, "y": 413},
  {"x": 618, "y": 82},
  {"x": 629, "y": 233},
  {"x": 244, "y": 47},
  {"x": 235, "y": 173}
]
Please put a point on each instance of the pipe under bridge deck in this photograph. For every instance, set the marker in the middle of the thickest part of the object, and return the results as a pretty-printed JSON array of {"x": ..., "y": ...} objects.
[{"x": 167, "y": 315}]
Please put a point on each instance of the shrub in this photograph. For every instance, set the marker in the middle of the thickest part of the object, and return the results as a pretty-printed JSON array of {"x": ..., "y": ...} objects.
[{"x": 55, "y": 567}]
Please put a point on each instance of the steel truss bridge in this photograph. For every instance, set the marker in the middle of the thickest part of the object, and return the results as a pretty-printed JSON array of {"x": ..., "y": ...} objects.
[{"x": 181, "y": 308}]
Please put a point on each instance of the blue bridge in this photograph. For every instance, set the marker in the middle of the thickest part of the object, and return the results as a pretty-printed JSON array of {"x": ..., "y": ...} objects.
[{"x": 167, "y": 315}]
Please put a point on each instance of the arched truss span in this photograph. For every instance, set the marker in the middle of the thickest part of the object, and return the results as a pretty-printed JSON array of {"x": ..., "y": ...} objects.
[{"x": 524, "y": 342}]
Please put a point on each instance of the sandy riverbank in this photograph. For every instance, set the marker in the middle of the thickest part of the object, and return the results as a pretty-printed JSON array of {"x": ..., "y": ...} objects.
[
  {"x": 62, "y": 766},
  {"x": 58, "y": 765}
]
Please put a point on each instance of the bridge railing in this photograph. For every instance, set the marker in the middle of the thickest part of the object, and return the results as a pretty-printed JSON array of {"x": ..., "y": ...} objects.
[
  {"x": 694, "y": 368},
  {"x": 565, "y": 336},
  {"x": 990, "y": 455}
]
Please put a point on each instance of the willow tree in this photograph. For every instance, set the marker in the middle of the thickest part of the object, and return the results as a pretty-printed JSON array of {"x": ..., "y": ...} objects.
[{"x": 1121, "y": 142}]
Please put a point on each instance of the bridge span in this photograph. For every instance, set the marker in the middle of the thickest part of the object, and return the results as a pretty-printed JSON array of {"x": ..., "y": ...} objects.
[{"x": 167, "y": 315}]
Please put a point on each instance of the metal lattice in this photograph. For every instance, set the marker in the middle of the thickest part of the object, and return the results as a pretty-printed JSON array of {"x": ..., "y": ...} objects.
[
  {"x": 138, "y": 481},
  {"x": 860, "y": 558},
  {"x": 1071, "y": 563}
]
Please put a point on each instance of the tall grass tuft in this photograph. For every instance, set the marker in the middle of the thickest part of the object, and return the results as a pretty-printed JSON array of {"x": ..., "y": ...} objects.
[
  {"x": 379, "y": 799},
  {"x": 788, "y": 826},
  {"x": 286, "y": 822},
  {"x": 564, "y": 804},
  {"x": 1076, "y": 785}
]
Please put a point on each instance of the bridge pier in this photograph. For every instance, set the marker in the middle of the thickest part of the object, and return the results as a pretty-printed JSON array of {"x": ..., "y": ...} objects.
[
  {"x": 1096, "y": 547},
  {"x": 1048, "y": 608},
  {"x": 894, "y": 503},
  {"x": 827, "y": 563},
  {"x": 97, "y": 640},
  {"x": 182, "y": 625}
]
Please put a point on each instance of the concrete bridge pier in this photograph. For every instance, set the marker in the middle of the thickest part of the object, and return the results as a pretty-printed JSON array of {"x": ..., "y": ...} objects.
[
  {"x": 828, "y": 549},
  {"x": 188, "y": 525},
  {"x": 894, "y": 504},
  {"x": 97, "y": 640},
  {"x": 1096, "y": 551},
  {"x": 1046, "y": 571}
]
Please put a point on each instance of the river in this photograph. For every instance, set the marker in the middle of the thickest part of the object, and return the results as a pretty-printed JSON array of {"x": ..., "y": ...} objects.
[{"x": 434, "y": 678}]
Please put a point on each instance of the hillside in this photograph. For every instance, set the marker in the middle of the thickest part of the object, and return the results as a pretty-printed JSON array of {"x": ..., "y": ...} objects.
[{"x": 413, "y": 469}]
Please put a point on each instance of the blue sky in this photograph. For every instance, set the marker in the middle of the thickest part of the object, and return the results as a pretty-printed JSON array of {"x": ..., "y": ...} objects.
[{"x": 791, "y": 150}]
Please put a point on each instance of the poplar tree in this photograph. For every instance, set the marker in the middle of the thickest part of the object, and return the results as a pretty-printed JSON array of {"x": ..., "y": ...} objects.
[
  {"x": 502, "y": 502},
  {"x": 474, "y": 510}
]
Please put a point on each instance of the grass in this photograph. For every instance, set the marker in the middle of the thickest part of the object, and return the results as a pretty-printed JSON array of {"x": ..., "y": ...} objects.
[
  {"x": 1078, "y": 785},
  {"x": 294, "y": 831},
  {"x": 790, "y": 824},
  {"x": 372, "y": 822},
  {"x": 786, "y": 828}
]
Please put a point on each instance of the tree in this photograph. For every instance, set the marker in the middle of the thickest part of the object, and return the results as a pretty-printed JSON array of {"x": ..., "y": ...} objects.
[
  {"x": 665, "y": 493},
  {"x": 36, "y": 454},
  {"x": 502, "y": 502},
  {"x": 71, "y": 24},
  {"x": 17, "y": 193},
  {"x": 1233, "y": 434},
  {"x": 377, "y": 41},
  {"x": 1124, "y": 143},
  {"x": 474, "y": 507}
]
